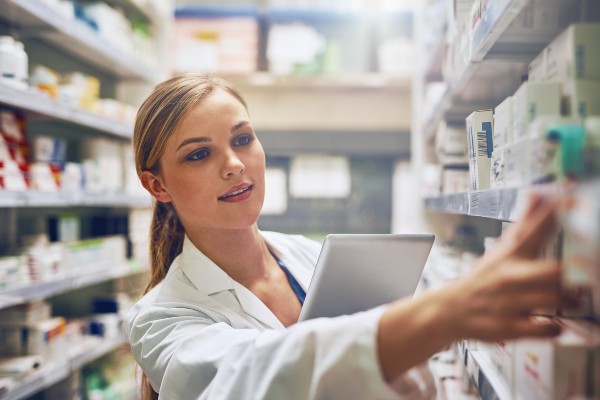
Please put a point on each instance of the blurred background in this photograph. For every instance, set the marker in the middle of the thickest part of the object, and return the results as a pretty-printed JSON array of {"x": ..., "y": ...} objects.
[{"x": 377, "y": 116}]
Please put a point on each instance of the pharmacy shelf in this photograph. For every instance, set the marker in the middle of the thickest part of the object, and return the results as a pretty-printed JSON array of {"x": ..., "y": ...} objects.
[
  {"x": 37, "y": 19},
  {"x": 32, "y": 198},
  {"x": 18, "y": 295},
  {"x": 482, "y": 373},
  {"x": 338, "y": 81},
  {"x": 40, "y": 105},
  {"x": 502, "y": 204},
  {"x": 57, "y": 370},
  {"x": 498, "y": 50},
  {"x": 136, "y": 9}
]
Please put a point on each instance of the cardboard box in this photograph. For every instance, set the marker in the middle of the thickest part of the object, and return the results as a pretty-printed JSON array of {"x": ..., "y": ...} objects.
[
  {"x": 455, "y": 180},
  {"x": 451, "y": 144},
  {"x": 531, "y": 101},
  {"x": 481, "y": 146},
  {"x": 581, "y": 98},
  {"x": 503, "y": 123},
  {"x": 574, "y": 54},
  {"x": 558, "y": 368},
  {"x": 581, "y": 248},
  {"x": 497, "y": 168}
]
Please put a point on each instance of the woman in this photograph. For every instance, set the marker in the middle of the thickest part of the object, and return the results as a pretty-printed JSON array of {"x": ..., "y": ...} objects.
[{"x": 218, "y": 318}]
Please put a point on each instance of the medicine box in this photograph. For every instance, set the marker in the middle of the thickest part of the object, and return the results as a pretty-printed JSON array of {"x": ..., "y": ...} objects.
[
  {"x": 531, "y": 100},
  {"x": 451, "y": 144},
  {"x": 503, "y": 123},
  {"x": 215, "y": 39},
  {"x": 497, "y": 168},
  {"x": 455, "y": 180},
  {"x": 581, "y": 98},
  {"x": 502, "y": 357},
  {"x": 25, "y": 314},
  {"x": 574, "y": 54},
  {"x": 480, "y": 142},
  {"x": 558, "y": 368},
  {"x": 581, "y": 248}
]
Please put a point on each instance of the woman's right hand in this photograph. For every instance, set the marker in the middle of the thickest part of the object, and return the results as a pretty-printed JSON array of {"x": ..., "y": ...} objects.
[
  {"x": 496, "y": 301},
  {"x": 498, "y": 298}
]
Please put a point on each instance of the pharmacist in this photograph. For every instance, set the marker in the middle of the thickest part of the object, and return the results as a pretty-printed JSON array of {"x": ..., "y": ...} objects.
[{"x": 219, "y": 319}]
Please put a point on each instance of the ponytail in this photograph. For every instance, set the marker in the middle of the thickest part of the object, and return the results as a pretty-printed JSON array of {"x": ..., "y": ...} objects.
[{"x": 166, "y": 241}]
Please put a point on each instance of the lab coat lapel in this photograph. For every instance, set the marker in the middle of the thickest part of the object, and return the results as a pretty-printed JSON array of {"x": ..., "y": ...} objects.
[
  {"x": 256, "y": 308},
  {"x": 209, "y": 279}
]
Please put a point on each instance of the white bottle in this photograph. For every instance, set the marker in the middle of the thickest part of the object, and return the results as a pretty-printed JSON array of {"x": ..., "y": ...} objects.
[
  {"x": 8, "y": 59},
  {"x": 22, "y": 65}
]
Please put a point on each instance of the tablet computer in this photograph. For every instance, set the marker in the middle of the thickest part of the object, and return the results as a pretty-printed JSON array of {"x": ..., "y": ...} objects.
[{"x": 356, "y": 272}]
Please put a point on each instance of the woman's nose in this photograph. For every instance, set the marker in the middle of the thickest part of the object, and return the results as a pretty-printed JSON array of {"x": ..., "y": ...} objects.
[{"x": 232, "y": 165}]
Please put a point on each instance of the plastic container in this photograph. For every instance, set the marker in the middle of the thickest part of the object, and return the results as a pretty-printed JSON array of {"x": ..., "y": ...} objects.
[
  {"x": 22, "y": 69},
  {"x": 9, "y": 60}
]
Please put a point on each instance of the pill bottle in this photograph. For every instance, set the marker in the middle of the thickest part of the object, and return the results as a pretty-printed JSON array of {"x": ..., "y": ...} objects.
[
  {"x": 8, "y": 59},
  {"x": 22, "y": 64}
]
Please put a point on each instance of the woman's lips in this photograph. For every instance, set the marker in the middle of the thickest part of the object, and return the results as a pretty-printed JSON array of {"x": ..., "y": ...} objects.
[{"x": 239, "y": 193}]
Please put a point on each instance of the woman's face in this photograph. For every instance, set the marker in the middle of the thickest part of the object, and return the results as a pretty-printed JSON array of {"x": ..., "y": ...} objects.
[{"x": 213, "y": 166}]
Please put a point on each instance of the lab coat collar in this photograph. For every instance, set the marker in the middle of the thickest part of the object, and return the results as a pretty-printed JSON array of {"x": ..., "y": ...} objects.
[{"x": 210, "y": 279}]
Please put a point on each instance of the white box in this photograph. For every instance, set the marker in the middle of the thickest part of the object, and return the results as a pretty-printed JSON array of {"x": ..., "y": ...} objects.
[
  {"x": 481, "y": 146},
  {"x": 554, "y": 369},
  {"x": 503, "y": 123},
  {"x": 581, "y": 249},
  {"x": 516, "y": 163},
  {"x": 537, "y": 68},
  {"x": 502, "y": 356},
  {"x": 581, "y": 98},
  {"x": 451, "y": 144},
  {"x": 574, "y": 54},
  {"x": 455, "y": 180},
  {"x": 532, "y": 100},
  {"x": 25, "y": 314},
  {"x": 497, "y": 168}
]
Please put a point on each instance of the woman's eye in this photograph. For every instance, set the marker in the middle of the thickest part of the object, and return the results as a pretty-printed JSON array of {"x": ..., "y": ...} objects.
[
  {"x": 242, "y": 140},
  {"x": 198, "y": 155}
]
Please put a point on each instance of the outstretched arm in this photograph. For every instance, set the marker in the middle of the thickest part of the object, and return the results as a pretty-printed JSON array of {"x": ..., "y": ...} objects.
[{"x": 494, "y": 301}]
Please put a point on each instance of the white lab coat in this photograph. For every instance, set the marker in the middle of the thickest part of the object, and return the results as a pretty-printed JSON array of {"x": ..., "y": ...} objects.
[{"x": 201, "y": 335}]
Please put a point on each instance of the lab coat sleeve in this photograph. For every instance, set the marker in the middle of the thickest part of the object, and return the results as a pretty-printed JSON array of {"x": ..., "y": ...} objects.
[{"x": 186, "y": 355}]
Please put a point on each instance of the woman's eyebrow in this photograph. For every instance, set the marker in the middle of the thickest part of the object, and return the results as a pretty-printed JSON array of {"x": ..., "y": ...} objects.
[
  {"x": 194, "y": 140},
  {"x": 238, "y": 126}
]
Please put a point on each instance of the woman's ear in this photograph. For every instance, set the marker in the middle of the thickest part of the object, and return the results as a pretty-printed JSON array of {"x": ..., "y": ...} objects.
[{"x": 154, "y": 186}]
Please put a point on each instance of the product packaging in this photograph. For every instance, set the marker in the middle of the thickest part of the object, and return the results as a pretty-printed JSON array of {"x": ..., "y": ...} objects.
[
  {"x": 480, "y": 142},
  {"x": 559, "y": 368},
  {"x": 503, "y": 123},
  {"x": 581, "y": 98},
  {"x": 581, "y": 250},
  {"x": 531, "y": 101}
]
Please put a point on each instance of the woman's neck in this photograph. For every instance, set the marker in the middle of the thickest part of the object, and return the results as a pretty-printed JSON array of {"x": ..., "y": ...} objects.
[{"x": 241, "y": 253}]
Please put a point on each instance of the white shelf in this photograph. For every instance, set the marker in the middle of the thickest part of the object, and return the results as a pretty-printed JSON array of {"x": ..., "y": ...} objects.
[
  {"x": 501, "y": 204},
  {"x": 39, "y": 104},
  {"x": 44, "y": 377},
  {"x": 337, "y": 81},
  {"x": 37, "y": 19},
  {"x": 483, "y": 374},
  {"x": 34, "y": 198},
  {"x": 57, "y": 370},
  {"x": 499, "y": 53},
  {"x": 18, "y": 295}
]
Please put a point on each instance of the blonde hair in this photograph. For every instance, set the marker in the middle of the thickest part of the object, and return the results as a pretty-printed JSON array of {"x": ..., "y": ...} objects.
[{"x": 158, "y": 117}]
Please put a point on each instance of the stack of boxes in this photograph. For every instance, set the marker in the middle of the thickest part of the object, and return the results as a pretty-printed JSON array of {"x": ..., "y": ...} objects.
[
  {"x": 549, "y": 130},
  {"x": 536, "y": 129}
]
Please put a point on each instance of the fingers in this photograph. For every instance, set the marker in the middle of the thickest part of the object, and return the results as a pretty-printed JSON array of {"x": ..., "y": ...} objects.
[
  {"x": 532, "y": 327},
  {"x": 535, "y": 228}
]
